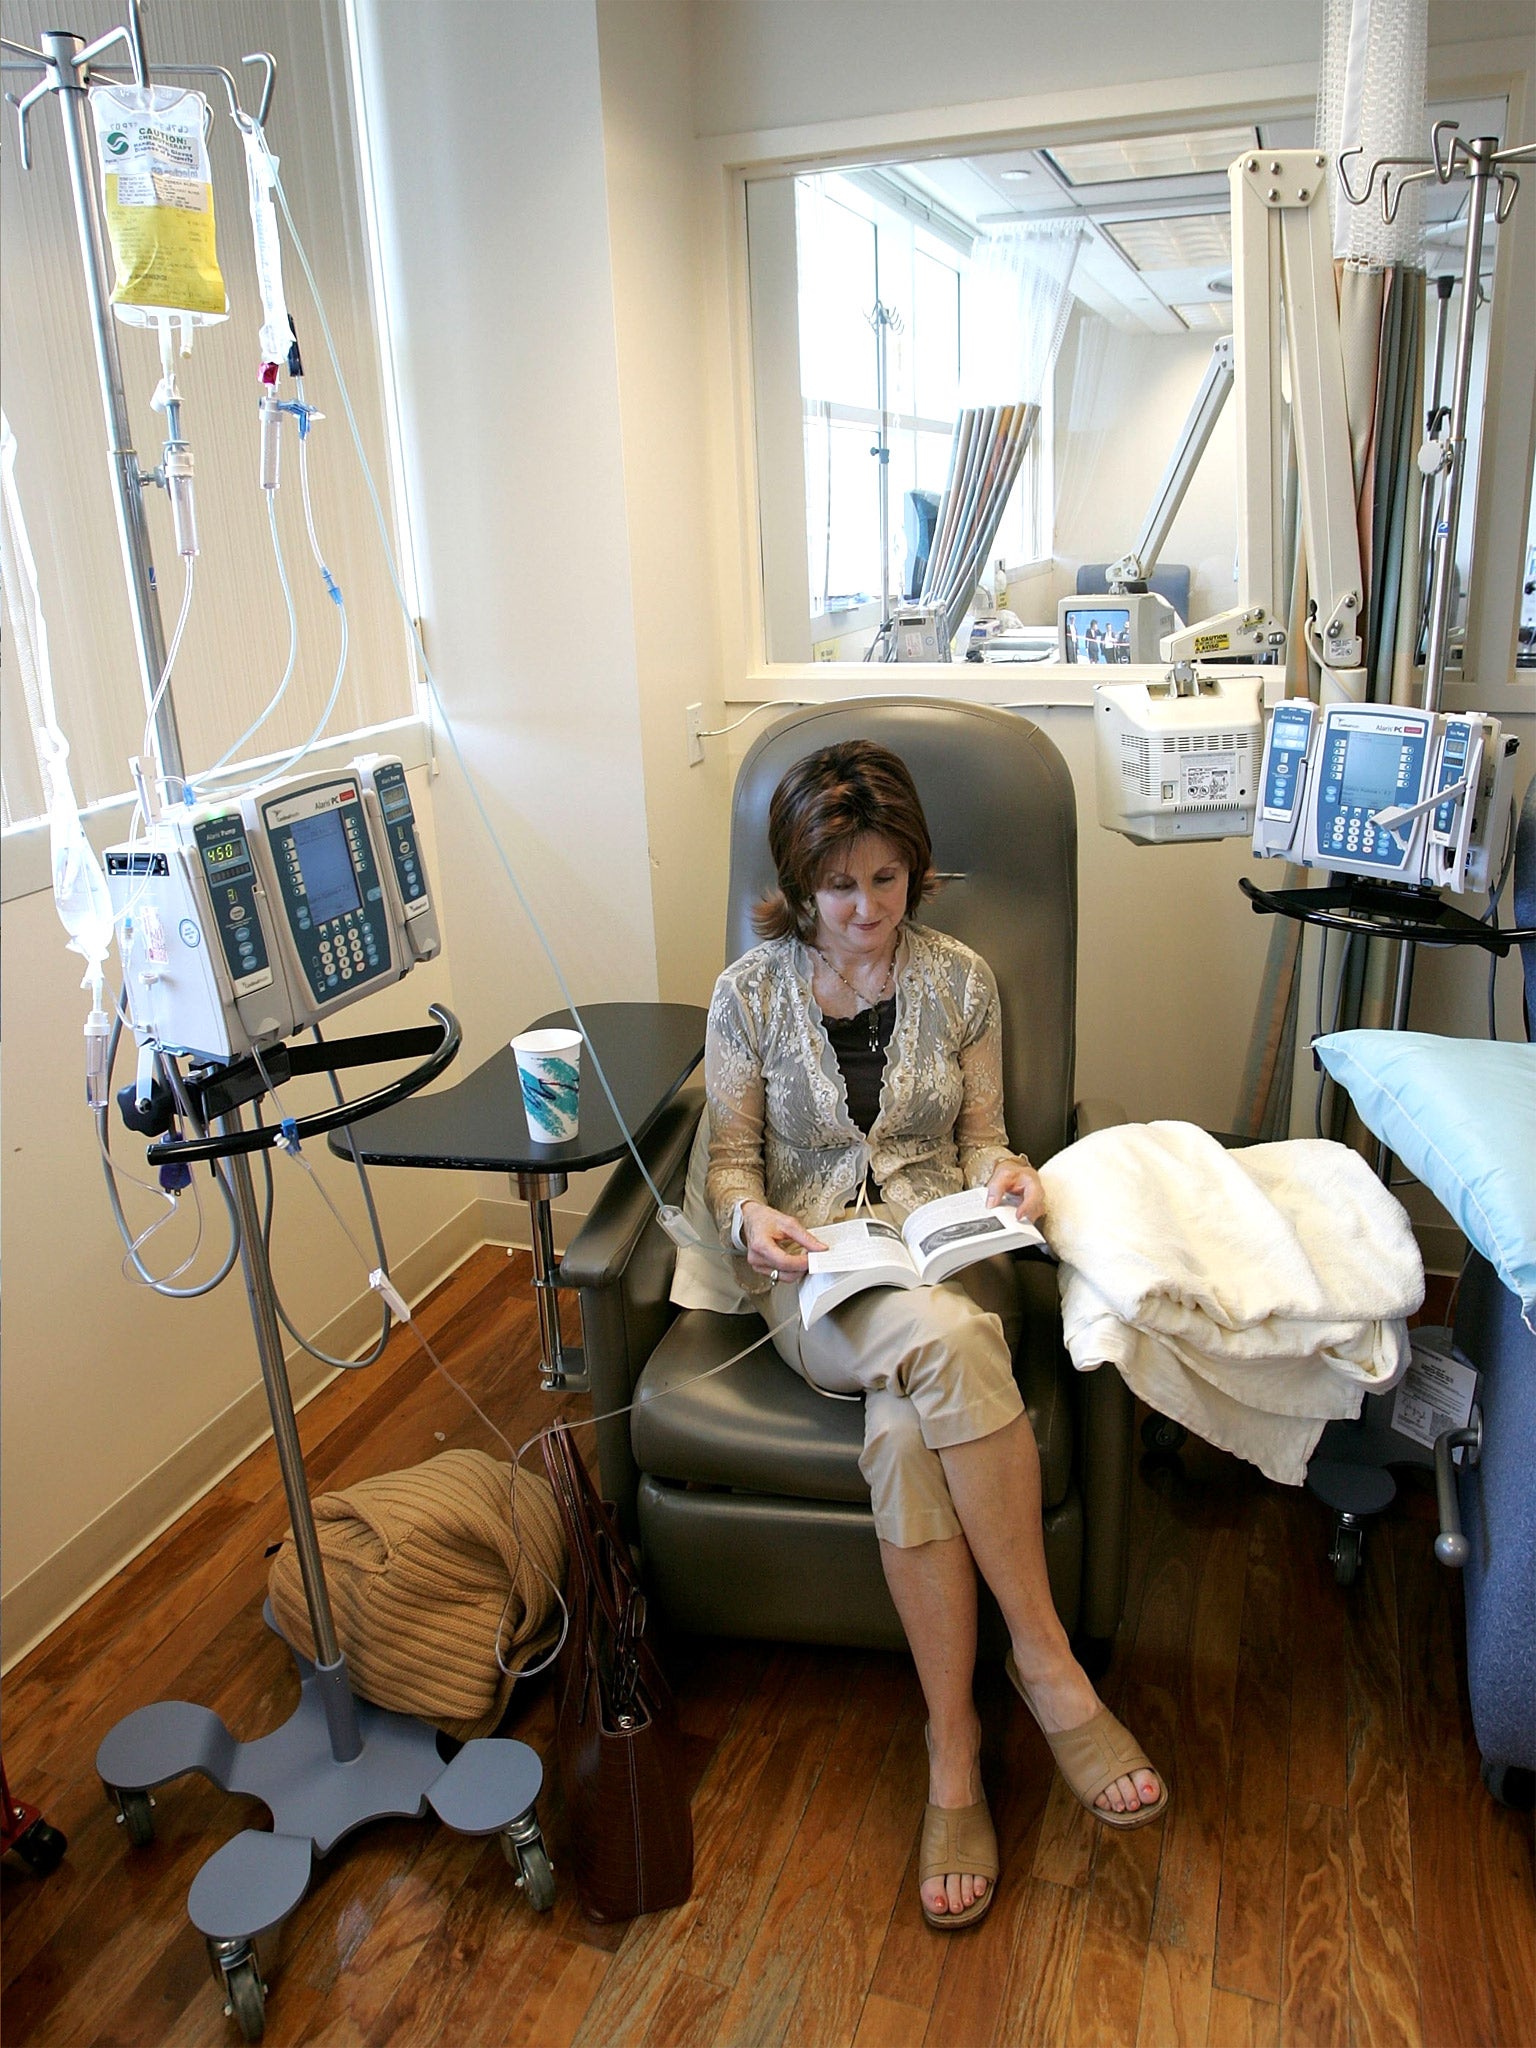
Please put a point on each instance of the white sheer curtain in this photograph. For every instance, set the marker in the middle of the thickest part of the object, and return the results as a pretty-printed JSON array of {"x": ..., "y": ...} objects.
[{"x": 1016, "y": 300}]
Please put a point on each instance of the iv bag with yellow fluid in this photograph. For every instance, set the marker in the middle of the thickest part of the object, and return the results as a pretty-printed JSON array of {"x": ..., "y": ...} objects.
[{"x": 158, "y": 197}]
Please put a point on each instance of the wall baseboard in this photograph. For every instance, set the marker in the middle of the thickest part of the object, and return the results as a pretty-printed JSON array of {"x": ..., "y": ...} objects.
[{"x": 35, "y": 1605}]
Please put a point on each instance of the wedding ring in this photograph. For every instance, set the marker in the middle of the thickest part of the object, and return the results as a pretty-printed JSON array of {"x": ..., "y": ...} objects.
[{"x": 773, "y": 1277}]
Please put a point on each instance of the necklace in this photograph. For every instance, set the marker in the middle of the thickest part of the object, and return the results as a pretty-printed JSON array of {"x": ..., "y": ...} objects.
[{"x": 859, "y": 996}]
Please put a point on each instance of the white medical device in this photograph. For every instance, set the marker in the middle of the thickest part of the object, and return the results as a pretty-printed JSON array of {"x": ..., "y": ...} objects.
[
  {"x": 1178, "y": 757},
  {"x": 246, "y": 920},
  {"x": 1385, "y": 791},
  {"x": 1122, "y": 627},
  {"x": 919, "y": 632}
]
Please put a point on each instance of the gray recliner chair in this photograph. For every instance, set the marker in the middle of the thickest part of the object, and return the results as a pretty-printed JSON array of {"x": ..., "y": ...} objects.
[{"x": 743, "y": 1491}]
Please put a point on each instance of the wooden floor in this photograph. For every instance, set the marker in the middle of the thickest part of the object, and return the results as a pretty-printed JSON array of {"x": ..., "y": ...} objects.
[{"x": 1330, "y": 1872}]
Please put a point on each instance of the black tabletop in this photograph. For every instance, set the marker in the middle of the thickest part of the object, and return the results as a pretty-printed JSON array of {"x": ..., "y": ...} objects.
[{"x": 647, "y": 1050}]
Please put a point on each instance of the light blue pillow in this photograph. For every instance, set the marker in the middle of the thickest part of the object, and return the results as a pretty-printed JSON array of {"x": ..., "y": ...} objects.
[{"x": 1460, "y": 1113}]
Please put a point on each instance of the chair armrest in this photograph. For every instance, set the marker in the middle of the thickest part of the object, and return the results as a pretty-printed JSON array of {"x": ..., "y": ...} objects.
[
  {"x": 1096, "y": 1113},
  {"x": 606, "y": 1241},
  {"x": 621, "y": 1262}
]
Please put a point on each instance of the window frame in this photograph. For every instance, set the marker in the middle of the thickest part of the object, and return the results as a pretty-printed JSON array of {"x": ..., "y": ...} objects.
[{"x": 728, "y": 164}]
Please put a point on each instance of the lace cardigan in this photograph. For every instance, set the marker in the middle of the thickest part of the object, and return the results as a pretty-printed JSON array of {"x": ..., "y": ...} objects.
[{"x": 777, "y": 1116}]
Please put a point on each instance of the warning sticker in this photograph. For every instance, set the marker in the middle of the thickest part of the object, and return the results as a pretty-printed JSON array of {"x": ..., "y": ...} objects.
[
  {"x": 1212, "y": 643},
  {"x": 1209, "y": 779},
  {"x": 1435, "y": 1395}
]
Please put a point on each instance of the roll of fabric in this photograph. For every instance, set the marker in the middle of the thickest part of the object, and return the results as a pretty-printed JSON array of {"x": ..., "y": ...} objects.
[{"x": 426, "y": 1574}]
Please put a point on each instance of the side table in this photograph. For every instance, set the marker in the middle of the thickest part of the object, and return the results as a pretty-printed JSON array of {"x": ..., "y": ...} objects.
[{"x": 647, "y": 1050}]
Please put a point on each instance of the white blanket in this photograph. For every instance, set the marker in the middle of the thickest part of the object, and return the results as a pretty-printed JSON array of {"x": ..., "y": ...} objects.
[{"x": 1252, "y": 1296}]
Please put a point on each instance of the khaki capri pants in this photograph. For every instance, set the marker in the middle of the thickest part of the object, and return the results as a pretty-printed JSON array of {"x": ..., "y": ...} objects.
[{"x": 935, "y": 1368}]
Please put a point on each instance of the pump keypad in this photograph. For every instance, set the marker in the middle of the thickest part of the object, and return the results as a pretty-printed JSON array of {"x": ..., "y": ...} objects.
[{"x": 332, "y": 891}]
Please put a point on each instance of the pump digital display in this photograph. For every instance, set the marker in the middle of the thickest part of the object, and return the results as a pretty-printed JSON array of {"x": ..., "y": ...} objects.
[
  {"x": 326, "y": 866},
  {"x": 1371, "y": 766}
]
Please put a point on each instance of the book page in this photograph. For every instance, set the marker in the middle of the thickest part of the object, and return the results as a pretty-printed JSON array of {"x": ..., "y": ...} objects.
[
  {"x": 859, "y": 1246},
  {"x": 951, "y": 1232}
]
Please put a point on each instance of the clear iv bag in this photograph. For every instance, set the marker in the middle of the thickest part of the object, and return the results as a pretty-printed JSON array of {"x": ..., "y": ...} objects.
[
  {"x": 260, "y": 170},
  {"x": 157, "y": 193},
  {"x": 79, "y": 886}
]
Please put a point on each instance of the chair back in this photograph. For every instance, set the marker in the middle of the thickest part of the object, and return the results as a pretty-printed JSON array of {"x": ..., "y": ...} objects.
[{"x": 1002, "y": 813}]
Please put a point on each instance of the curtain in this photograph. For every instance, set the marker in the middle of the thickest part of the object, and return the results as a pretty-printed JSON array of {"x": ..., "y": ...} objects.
[{"x": 1017, "y": 297}]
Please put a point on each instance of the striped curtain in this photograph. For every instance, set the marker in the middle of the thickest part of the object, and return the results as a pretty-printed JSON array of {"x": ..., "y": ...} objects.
[{"x": 985, "y": 457}]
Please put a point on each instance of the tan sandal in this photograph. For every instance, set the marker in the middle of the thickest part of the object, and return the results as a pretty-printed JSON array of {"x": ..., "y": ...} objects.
[
  {"x": 1091, "y": 1756},
  {"x": 961, "y": 1839}
]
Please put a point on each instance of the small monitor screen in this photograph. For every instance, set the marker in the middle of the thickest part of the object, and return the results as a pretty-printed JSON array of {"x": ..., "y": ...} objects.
[
  {"x": 325, "y": 866},
  {"x": 1098, "y": 634},
  {"x": 1370, "y": 770}
]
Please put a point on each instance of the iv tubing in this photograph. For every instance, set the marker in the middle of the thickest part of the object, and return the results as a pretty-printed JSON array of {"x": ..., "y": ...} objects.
[
  {"x": 293, "y": 644},
  {"x": 287, "y": 767},
  {"x": 110, "y": 1173}
]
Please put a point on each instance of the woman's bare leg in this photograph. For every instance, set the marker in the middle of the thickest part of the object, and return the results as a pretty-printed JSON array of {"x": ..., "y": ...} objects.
[
  {"x": 995, "y": 1485},
  {"x": 934, "y": 1588}
]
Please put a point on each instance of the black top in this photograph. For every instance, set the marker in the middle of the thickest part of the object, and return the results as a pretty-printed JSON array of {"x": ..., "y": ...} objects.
[
  {"x": 648, "y": 1050},
  {"x": 859, "y": 1045}
]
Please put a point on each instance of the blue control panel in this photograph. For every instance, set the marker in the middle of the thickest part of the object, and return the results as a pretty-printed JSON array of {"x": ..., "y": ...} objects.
[
  {"x": 331, "y": 888},
  {"x": 1454, "y": 751},
  {"x": 1370, "y": 758},
  {"x": 1290, "y": 735},
  {"x": 225, "y": 854},
  {"x": 400, "y": 831}
]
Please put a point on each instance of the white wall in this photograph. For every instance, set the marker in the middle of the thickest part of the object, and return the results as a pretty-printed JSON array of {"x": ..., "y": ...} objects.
[
  {"x": 1122, "y": 397},
  {"x": 777, "y": 63},
  {"x": 653, "y": 237},
  {"x": 494, "y": 219}
]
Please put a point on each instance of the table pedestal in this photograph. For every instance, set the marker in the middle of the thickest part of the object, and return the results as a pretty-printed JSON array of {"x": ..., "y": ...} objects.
[{"x": 562, "y": 1369}]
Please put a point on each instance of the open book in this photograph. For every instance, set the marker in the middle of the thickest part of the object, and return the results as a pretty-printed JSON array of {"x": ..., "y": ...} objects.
[{"x": 936, "y": 1240}]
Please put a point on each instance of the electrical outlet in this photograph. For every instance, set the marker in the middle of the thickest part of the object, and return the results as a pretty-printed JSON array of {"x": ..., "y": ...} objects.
[{"x": 695, "y": 717}]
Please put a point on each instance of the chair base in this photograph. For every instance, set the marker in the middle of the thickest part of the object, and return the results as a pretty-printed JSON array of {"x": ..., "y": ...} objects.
[{"x": 803, "y": 1571}]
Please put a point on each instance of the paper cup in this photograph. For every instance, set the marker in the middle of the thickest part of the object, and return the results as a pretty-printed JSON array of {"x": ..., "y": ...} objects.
[{"x": 549, "y": 1068}]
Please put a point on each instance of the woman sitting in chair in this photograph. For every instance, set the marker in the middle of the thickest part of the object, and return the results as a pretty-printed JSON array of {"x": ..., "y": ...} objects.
[{"x": 857, "y": 1054}]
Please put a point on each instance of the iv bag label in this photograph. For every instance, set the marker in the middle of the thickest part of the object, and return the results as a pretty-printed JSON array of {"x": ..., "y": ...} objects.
[
  {"x": 1435, "y": 1395},
  {"x": 186, "y": 194}
]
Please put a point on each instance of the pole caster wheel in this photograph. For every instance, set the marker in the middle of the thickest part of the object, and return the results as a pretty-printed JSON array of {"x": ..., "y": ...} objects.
[
  {"x": 1160, "y": 1435},
  {"x": 245, "y": 1995},
  {"x": 41, "y": 1848},
  {"x": 136, "y": 1813},
  {"x": 523, "y": 1846},
  {"x": 1347, "y": 1549}
]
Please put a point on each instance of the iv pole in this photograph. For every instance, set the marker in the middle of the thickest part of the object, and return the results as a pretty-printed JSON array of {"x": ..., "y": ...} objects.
[
  {"x": 1443, "y": 456},
  {"x": 336, "y": 1762}
]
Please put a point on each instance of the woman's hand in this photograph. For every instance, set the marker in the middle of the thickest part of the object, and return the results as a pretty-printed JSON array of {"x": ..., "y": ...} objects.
[
  {"x": 1017, "y": 1181},
  {"x": 776, "y": 1243}
]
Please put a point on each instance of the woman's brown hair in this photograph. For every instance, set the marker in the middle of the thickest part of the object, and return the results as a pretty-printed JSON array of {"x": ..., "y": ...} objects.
[{"x": 821, "y": 807}]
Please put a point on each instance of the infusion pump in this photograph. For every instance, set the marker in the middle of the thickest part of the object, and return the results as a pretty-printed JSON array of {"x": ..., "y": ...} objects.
[
  {"x": 245, "y": 920},
  {"x": 1385, "y": 791}
]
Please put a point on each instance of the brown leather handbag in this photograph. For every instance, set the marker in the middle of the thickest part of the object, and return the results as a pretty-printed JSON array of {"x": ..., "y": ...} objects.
[{"x": 621, "y": 1766}]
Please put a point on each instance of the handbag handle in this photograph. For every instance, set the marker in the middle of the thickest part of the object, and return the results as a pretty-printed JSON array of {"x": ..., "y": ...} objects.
[{"x": 602, "y": 1565}]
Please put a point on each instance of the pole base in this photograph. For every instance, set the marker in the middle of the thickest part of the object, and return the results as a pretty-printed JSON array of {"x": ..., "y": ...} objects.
[{"x": 250, "y": 1885}]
